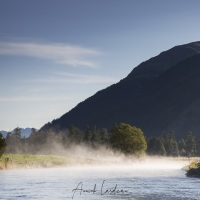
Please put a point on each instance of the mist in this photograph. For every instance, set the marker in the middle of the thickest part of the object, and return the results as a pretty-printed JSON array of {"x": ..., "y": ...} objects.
[
  {"x": 94, "y": 155},
  {"x": 82, "y": 156}
]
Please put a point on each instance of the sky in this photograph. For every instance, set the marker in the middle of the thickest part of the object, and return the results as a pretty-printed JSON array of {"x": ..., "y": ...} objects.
[{"x": 56, "y": 53}]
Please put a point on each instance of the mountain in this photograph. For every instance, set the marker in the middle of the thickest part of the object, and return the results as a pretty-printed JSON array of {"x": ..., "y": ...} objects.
[
  {"x": 161, "y": 93},
  {"x": 25, "y": 132},
  {"x": 4, "y": 133}
]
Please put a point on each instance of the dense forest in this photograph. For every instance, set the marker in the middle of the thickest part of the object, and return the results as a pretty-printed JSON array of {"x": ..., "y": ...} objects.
[{"x": 123, "y": 137}]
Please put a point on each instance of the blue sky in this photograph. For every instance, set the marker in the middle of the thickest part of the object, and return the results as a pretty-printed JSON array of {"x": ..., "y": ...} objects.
[{"x": 56, "y": 53}]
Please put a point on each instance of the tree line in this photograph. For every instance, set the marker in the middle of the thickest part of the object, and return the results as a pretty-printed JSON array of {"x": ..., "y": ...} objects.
[
  {"x": 122, "y": 137},
  {"x": 167, "y": 145}
]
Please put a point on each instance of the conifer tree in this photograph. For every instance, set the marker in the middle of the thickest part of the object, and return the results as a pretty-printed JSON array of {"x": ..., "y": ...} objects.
[
  {"x": 190, "y": 144},
  {"x": 2, "y": 144}
]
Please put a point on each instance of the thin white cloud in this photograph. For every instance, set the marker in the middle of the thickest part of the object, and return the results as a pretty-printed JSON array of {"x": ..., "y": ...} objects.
[
  {"x": 31, "y": 99},
  {"x": 59, "y": 53},
  {"x": 77, "y": 79}
]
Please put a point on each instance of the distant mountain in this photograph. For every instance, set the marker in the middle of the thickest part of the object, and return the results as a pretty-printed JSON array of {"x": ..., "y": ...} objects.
[
  {"x": 161, "y": 93},
  {"x": 25, "y": 132},
  {"x": 4, "y": 133}
]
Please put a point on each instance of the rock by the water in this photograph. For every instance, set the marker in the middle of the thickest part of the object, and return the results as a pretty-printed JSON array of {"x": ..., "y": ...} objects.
[{"x": 194, "y": 172}]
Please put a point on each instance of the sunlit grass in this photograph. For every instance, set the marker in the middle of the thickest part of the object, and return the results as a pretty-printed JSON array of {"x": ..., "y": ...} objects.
[
  {"x": 194, "y": 164},
  {"x": 44, "y": 161},
  {"x": 27, "y": 161},
  {"x": 40, "y": 161}
]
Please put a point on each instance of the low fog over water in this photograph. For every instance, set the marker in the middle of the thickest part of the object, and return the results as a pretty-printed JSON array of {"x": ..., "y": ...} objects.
[
  {"x": 105, "y": 159},
  {"x": 146, "y": 179},
  {"x": 102, "y": 174}
]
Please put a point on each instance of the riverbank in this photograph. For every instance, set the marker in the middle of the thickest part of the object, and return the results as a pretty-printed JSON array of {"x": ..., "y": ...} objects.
[
  {"x": 194, "y": 169},
  {"x": 13, "y": 161},
  {"x": 16, "y": 161},
  {"x": 23, "y": 161}
]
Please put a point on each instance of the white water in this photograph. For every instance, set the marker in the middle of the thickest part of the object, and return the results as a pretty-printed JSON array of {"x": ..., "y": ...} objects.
[{"x": 146, "y": 181}]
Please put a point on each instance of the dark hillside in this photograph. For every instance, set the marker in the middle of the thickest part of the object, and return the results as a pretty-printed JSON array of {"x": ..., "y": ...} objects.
[{"x": 152, "y": 96}]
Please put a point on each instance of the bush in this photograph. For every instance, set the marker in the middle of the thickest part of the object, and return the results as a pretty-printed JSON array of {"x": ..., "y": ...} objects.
[{"x": 128, "y": 139}]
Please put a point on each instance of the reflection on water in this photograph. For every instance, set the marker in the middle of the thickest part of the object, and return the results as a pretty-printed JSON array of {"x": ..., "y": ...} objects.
[{"x": 131, "y": 181}]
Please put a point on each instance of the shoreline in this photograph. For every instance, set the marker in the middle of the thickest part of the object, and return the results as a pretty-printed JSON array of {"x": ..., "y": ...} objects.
[
  {"x": 29, "y": 161},
  {"x": 26, "y": 161}
]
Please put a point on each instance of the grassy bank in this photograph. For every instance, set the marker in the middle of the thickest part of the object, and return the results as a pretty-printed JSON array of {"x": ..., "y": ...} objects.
[
  {"x": 31, "y": 161},
  {"x": 16, "y": 161}
]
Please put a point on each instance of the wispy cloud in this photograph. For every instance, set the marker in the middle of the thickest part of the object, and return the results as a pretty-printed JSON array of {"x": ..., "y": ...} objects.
[
  {"x": 59, "y": 53},
  {"x": 31, "y": 99},
  {"x": 76, "y": 79}
]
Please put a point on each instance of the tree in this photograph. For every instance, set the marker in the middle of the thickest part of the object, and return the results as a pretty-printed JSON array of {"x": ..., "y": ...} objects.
[
  {"x": 103, "y": 136},
  {"x": 182, "y": 147},
  {"x": 33, "y": 131},
  {"x": 156, "y": 147},
  {"x": 95, "y": 137},
  {"x": 128, "y": 139},
  {"x": 198, "y": 147},
  {"x": 87, "y": 135},
  {"x": 161, "y": 146},
  {"x": 190, "y": 144},
  {"x": 75, "y": 135},
  {"x": 14, "y": 141},
  {"x": 17, "y": 132},
  {"x": 2, "y": 144},
  {"x": 171, "y": 145}
]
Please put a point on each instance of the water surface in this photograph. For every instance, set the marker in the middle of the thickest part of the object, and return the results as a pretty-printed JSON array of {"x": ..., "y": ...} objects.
[{"x": 128, "y": 181}]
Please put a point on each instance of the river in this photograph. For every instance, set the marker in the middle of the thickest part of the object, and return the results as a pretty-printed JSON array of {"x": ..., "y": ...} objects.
[{"x": 120, "y": 181}]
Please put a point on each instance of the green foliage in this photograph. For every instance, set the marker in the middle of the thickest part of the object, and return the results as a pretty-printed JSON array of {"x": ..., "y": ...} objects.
[
  {"x": 95, "y": 137},
  {"x": 75, "y": 135},
  {"x": 17, "y": 132},
  {"x": 87, "y": 135},
  {"x": 123, "y": 137},
  {"x": 35, "y": 141},
  {"x": 190, "y": 144},
  {"x": 128, "y": 139},
  {"x": 156, "y": 146},
  {"x": 197, "y": 147},
  {"x": 2, "y": 144},
  {"x": 171, "y": 145},
  {"x": 103, "y": 136},
  {"x": 14, "y": 141},
  {"x": 182, "y": 147}
]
